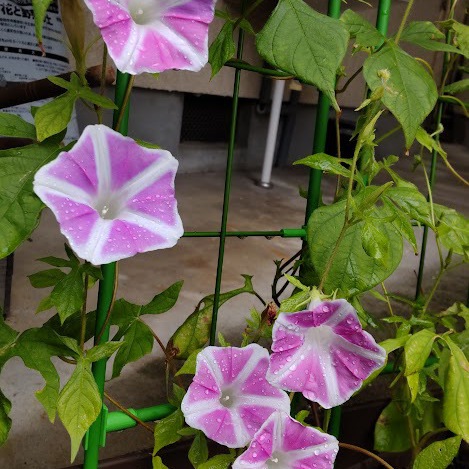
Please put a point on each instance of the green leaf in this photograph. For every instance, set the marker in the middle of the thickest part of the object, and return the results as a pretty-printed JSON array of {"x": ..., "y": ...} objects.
[
  {"x": 462, "y": 37},
  {"x": 193, "y": 334},
  {"x": 402, "y": 223},
  {"x": 425, "y": 139},
  {"x": 87, "y": 94},
  {"x": 367, "y": 198},
  {"x": 19, "y": 206},
  {"x": 295, "y": 303},
  {"x": 425, "y": 34},
  {"x": 412, "y": 202},
  {"x": 220, "y": 461},
  {"x": 413, "y": 381},
  {"x": 438, "y": 455},
  {"x": 352, "y": 271},
  {"x": 296, "y": 283},
  {"x": 164, "y": 301},
  {"x": 40, "y": 9},
  {"x": 417, "y": 349},
  {"x": 410, "y": 92},
  {"x": 5, "y": 420},
  {"x": 301, "y": 416},
  {"x": 44, "y": 305},
  {"x": 305, "y": 43},
  {"x": 457, "y": 87},
  {"x": 361, "y": 29},
  {"x": 14, "y": 126},
  {"x": 188, "y": 367},
  {"x": 166, "y": 430},
  {"x": 392, "y": 430},
  {"x": 222, "y": 49},
  {"x": 137, "y": 343},
  {"x": 158, "y": 463},
  {"x": 56, "y": 261},
  {"x": 177, "y": 396},
  {"x": 393, "y": 344},
  {"x": 330, "y": 164},
  {"x": 374, "y": 242},
  {"x": 98, "y": 352},
  {"x": 453, "y": 229},
  {"x": 456, "y": 392},
  {"x": 54, "y": 116},
  {"x": 68, "y": 294},
  {"x": 79, "y": 404},
  {"x": 46, "y": 278},
  {"x": 198, "y": 452}
]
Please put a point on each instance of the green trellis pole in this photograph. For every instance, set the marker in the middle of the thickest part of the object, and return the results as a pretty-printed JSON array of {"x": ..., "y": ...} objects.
[{"x": 94, "y": 438}]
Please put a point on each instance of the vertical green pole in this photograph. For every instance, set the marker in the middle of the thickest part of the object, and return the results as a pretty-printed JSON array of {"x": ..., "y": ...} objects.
[
  {"x": 382, "y": 19},
  {"x": 320, "y": 133},
  {"x": 105, "y": 295},
  {"x": 226, "y": 196},
  {"x": 438, "y": 118}
]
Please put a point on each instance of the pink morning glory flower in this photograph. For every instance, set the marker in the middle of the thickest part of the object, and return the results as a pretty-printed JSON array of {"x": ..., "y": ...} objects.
[
  {"x": 323, "y": 352},
  {"x": 154, "y": 35},
  {"x": 112, "y": 197},
  {"x": 284, "y": 443},
  {"x": 229, "y": 398}
]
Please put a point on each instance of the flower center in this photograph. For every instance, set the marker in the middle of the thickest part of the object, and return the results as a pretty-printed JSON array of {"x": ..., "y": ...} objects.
[
  {"x": 227, "y": 399},
  {"x": 277, "y": 461},
  {"x": 145, "y": 11},
  {"x": 107, "y": 210},
  {"x": 322, "y": 336}
]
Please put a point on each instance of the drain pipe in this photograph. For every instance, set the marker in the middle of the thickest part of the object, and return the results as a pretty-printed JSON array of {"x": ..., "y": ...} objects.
[{"x": 279, "y": 87}]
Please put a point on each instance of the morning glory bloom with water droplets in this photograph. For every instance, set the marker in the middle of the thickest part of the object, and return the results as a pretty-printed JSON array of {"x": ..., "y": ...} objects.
[
  {"x": 112, "y": 197},
  {"x": 229, "y": 398},
  {"x": 154, "y": 35},
  {"x": 285, "y": 443},
  {"x": 323, "y": 353}
]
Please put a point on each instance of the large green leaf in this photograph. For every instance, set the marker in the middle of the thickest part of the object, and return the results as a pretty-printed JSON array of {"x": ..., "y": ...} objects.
[
  {"x": 392, "y": 430},
  {"x": 456, "y": 392},
  {"x": 417, "y": 349},
  {"x": 305, "y": 43},
  {"x": 438, "y": 455},
  {"x": 79, "y": 404},
  {"x": 194, "y": 333},
  {"x": 166, "y": 430},
  {"x": 410, "y": 92},
  {"x": 14, "y": 126},
  {"x": 353, "y": 270},
  {"x": 361, "y": 29},
  {"x": 19, "y": 206},
  {"x": 411, "y": 201},
  {"x": 425, "y": 34}
]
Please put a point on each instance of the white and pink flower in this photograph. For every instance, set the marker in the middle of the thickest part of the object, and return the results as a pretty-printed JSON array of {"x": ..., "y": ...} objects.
[
  {"x": 112, "y": 197},
  {"x": 323, "y": 353},
  {"x": 154, "y": 35},
  {"x": 284, "y": 443},
  {"x": 230, "y": 398}
]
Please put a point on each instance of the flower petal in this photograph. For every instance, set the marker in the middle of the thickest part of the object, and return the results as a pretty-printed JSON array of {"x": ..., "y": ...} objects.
[
  {"x": 149, "y": 36},
  {"x": 323, "y": 353},
  {"x": 112, "y": 197},
  {"x": 232, "y": 380},
  {"x": 285, "y": 443}
]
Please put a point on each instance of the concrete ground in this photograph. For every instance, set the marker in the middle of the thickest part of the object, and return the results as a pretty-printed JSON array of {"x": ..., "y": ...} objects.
[{"x": 37, "y": 444}]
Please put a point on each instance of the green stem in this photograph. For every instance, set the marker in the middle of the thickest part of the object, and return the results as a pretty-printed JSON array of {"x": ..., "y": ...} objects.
[
  {"x": 434, "y": 288},
  {"x": 124, "y": 107},
  {"x": 83, "y": 314},
  {"x": 387, "y": 134},
  {"x": 404, "y": 21}
]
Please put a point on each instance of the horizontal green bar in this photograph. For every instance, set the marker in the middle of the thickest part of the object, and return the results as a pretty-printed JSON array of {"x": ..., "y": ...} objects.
[
  {"x": 284, "y": 233},
  {"x": 252, "y": 68},
  {"x": 117, "y": 421}
]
